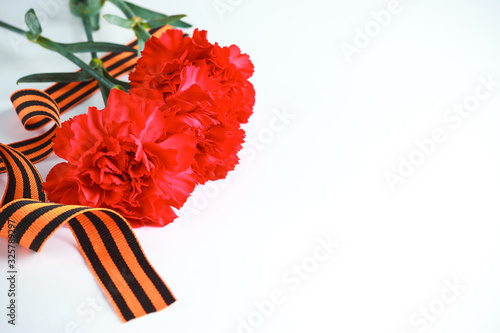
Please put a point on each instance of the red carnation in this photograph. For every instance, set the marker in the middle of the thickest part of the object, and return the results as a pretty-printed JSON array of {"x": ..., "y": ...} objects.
[
  {"x": 126, "y": 157},
  {"x": 205, "y": 88}
]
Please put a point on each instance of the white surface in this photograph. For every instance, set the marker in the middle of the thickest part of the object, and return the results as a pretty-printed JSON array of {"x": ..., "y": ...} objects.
[{"x": 322, "y": 176}]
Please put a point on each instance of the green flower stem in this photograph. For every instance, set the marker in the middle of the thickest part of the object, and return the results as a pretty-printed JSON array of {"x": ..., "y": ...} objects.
[
  {"x": 138, "y": 28},
  {"x": 97, "y": 65},
  {"x": 102, "y": 88},
  {"x": 88, "y": 32},
  {"x": 12, "y": 28},
  {"x": 125, "y": 86}
]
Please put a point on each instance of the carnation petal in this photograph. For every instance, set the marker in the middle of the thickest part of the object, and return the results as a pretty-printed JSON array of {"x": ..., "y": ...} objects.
[{"x": 241, "y": 61}]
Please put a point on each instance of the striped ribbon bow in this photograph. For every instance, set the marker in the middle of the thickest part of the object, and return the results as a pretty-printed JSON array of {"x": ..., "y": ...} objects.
[{"x": 104, "y": 237}]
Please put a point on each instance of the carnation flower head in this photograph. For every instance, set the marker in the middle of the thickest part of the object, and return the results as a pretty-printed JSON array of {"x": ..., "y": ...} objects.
[
  {"x": 179, "y": 126},
  {"x": 125, "y": 157},
  {"x": 206, "y": 90}
]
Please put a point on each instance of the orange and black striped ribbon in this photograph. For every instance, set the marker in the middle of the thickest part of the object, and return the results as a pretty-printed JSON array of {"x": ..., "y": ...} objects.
[{"x": 105, "y": 238}]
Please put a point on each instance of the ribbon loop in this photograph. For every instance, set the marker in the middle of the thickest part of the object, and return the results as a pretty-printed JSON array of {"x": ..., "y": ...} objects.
[
  {"x": 23, "y": 179},
  {"x": 33, "y": 107}
]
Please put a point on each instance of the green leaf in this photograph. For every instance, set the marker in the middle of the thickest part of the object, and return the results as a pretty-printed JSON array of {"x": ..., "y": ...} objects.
[
  {"x": 97, "y": 47},
  {"x": 137, "y": 22},
  {"x": 143, "y": 12},
  {"x": 152, "y": 16},
  {"x": 121, "y": 22},
  {"x": 174, "y": 18},
  {"x": 33, "y": 24},
  {"x": 56, "y": 77},
  {"x": 94, "y": 22},
  {"x": 151, "y": 24},
  {"x": 181, "y": 24}
]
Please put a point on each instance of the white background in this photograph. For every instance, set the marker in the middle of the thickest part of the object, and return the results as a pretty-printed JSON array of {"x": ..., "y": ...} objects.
[{"x": 320, "y": 175}]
